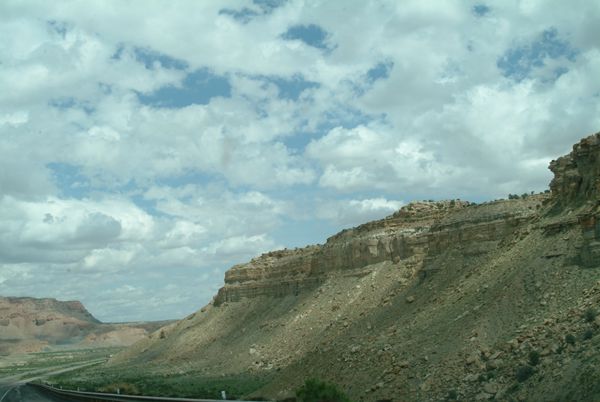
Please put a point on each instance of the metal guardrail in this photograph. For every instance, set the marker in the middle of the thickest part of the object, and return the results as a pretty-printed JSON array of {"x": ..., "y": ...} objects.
[{"x": 80, "y": 396}]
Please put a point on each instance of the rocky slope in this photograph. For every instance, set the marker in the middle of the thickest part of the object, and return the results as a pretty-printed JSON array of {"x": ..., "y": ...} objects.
[
  {"x": 30, "y": 325},
  {"x": 440, "y": 300}
]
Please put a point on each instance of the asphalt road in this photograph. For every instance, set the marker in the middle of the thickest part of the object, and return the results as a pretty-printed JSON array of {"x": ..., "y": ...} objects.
[
  {"x": 24, "y": 393},
  {"x": 15, "y": 388}
]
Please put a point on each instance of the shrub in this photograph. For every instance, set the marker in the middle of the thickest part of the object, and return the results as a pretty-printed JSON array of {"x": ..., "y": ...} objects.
[
  {"x": 534, "y": 357},
  {"x": 320, "y": 391},
  {"x": 590, "y": 315},
  {"x": 570, "y": 339},
  {"x": 122, "y": 388},
  {"x": 523, "y": 373},
  {"x": 452, "y": 395},
  {"x": 588, "y": 334}
]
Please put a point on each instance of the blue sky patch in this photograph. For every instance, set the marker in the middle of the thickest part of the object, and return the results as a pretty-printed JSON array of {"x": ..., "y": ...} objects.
[
  {"x": 198, "y": 87},
  {"x": 245, "y": 15},
  {"x": 480, "y": 10},
  {"x": 151, "y": 59},
  {"x": 520, "y": 62},
  {"x": 380, "y": 71},
  {"x": 190, "y": 177},
  {"x": 69, "y": 179},
  {"x": 71, "y": 103},
  {"x": 269, "y": 5},
  {"x": 313, "y": 35},
  {"x": 297, "y": 143},
  {"x": 291, "y": 88},
  {"x": 343, "y": 116}
]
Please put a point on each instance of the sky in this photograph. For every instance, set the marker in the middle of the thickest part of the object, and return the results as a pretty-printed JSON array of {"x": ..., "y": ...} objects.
[{"x": 147, "y": 146}]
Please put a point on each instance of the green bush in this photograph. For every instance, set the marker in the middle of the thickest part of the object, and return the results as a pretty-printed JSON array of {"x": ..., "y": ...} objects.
[
  {"x": 523, "y": 373},
  {"x": 570, "y": 339},
  {"x": 452, "y": 395},
  {"x": 534, "y": 357},
  {"x": 320, "y": 391},
  {"x": 588, "y": 334},
  {"x": 590, "y": 315}
]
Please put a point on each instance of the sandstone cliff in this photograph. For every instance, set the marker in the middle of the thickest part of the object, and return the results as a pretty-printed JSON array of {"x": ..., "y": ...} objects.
[
  {"x": 29, "y": 325},
  {"x": 411, "y": 239},
  {"x": 440, "y": 300}
]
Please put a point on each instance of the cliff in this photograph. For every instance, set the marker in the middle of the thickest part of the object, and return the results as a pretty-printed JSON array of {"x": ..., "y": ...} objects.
[
  {"x": 411, "y": 238},
  {"x": 440, "y": 300},
  {"x": 577, "y": 175}
]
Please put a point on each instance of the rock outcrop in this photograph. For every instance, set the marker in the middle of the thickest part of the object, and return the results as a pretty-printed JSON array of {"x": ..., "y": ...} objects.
[
  {"x": 412, "y": 237},
  {"x": 577, "y": 175},
  {"x": 576, "y": 185}
]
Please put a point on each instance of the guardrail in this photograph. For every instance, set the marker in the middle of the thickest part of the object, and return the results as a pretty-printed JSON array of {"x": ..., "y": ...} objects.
[{"x": 80, "y": 396}]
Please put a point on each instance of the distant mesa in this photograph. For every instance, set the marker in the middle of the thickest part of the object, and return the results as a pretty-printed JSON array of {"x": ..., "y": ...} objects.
[{"x": 30, "y": 325}]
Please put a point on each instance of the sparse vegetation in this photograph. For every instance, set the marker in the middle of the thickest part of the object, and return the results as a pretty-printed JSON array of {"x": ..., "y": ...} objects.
[
  {"x": 188, "y": 385},
  {"x": 524, "y": 372},
  {"x": 54, "y": 359},
  {"x": 590, "y": 315},
  {"x": 120, "y": 388},
  {"x": 534, "y": 357},
  {"x": 320, "y": 391}
]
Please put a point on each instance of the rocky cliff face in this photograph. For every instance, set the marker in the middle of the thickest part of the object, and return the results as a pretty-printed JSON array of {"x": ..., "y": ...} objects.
[
  {"x": 441, "y": 300},
  {"x": 576, "y": 185},
  {"x": 577, "y": 175},
  {"x": 29, "y": 325},
  {"x": 410, "y": 238}
]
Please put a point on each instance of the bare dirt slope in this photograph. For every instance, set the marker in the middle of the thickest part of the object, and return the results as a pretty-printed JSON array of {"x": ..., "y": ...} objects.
[
  {"x": 440, "y": 300},
  {"x": 30, "y": 325}
]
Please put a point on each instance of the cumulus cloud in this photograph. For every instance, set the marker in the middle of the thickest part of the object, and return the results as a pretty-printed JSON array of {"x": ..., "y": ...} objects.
[
  {"x": 354, "y": 212},
  {"x": 65, "y": 231},
  {"x": 364, "y": 158},
  {"x": 176, "y": 141}
]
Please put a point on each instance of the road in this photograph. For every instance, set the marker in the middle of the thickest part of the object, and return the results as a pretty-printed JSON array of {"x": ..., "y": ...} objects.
[
  {"x": 15, "y": 388},
  {"x": 24, "y": 393}
]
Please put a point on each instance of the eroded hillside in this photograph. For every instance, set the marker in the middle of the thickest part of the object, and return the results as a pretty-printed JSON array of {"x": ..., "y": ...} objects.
[
  {"x": 441, "y": 299},
  {"x": 31, "y": 325}
]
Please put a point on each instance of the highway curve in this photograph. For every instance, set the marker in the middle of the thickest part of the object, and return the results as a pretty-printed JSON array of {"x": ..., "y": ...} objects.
[{"x": 24, "y": 393}]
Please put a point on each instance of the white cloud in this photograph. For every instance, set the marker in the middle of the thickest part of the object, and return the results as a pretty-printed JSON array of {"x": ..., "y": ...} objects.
[
  {"x": 94, "y": 181},
  {"x": 364, "y": 158},
  {"x": 354, "y": 212},
  {"x": 15, "y": 118},
  {"x": 65, "y": 231}
]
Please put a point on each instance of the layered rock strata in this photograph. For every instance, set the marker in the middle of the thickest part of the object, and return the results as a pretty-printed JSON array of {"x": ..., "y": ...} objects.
[{"x": 411, "y": 237}]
